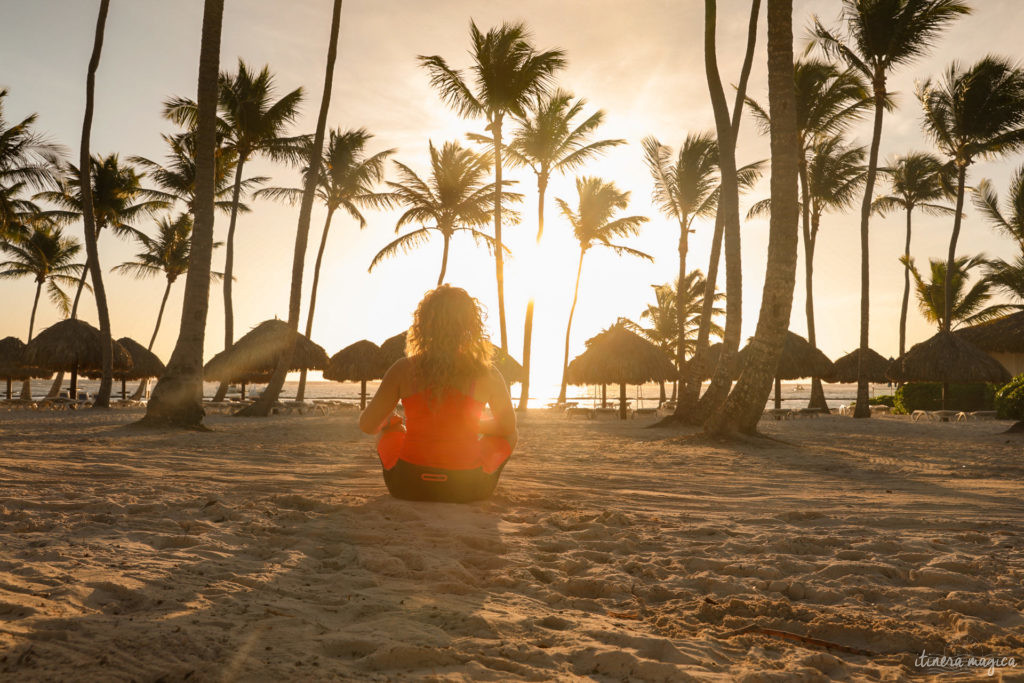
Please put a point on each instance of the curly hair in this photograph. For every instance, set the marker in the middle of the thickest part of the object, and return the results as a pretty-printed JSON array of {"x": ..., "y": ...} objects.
[{"x": 447, "y": 342}]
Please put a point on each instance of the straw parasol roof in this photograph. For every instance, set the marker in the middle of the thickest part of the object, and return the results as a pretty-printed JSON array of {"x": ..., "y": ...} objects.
[
  {"x": 252, "y": 358},
  {"x": 799, "y": 359},
  {"x": 72, "y": 345},
  {"x": 707, "y": 362},
  {"x": 947, "y": 357},
  {"x": 11, "y": 367},
  {"x": 846, "y": 369},
  {"x": 393, "y": 348},
  {"x": 357, "y": 362},
  {"x": 1002, "y": 335},
  {"x": 145, "y": 363},
  {"x": 618, "y": 356}
]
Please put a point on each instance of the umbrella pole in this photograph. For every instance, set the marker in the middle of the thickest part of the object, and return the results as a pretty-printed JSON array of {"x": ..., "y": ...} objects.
[
  {"x": 945, "y": 392},
  {"x": 243, "y": 392},
  {"x": 362, "y": 394},
  {"x": 622, "y": 401},
  {"x": 778, "y": 394},
  {"x": 9, "y": 395},
  {"x": 604, "y": 395},
  {"x": 124, "y": 390},
  {"x": 74, "y": 382}
]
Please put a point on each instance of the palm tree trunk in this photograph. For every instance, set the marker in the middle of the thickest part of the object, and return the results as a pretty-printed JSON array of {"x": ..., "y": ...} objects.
[
  {"x": 26, "y": 386},
  {"x": 568, "y": 328},
  {"x": 499, "y": 258},
  {"x": 78, "y": 293},
  {"x": 73, "y": 388},
  {"x": 362, "y": 394},
  {"x": 778, "y": 393},
  {"x": 684, "y": 244},
  {"x": 229, "y": 270},
  {"x": 661, "y": 392},
  {"x": 728, "y": 207},
  {"x": 947, "y": 295},
  {"x": 300, "y": 395},
  {"x": 906, "y": 290},
  {"x": 178, "y": 396},
  {"x": 444, "y": 260},
  {"x": 141, "y": 391},
  {"x": 266, "y": 401},
  {"x": 524, "y": 391},
  {"x": 89, "y": 218},
  {"x": 746, "y": 402},
  {"x": 862, "y": 408},
  {"x": 810, "y": 234}
]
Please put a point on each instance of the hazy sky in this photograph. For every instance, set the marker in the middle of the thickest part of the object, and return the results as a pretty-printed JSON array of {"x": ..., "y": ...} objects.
[{"x": 641, "y": 61}]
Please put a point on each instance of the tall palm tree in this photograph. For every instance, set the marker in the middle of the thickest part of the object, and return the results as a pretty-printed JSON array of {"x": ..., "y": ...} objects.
[
  {"x": 28, "y": 162},
  {"x": 48, "y": 256},
  {"x": 314, "y": 153},
  {"x": 548, "y": 141},
  {"x": 254, "y": 124},
  {"x": 455, "y": 197},
  {"x": 916, "y": 181},
  {"x": 178, "y": 397},
  {"x": 347, "y": 181},
  {"x": 118, "y": 200},
  {"x": 745, "y": 403},
  {"x": 686, "y": 189},
  {"x": 973, "y": 113},
  {"x": 966, "y": 305},
  {"x": 1006, "y": 275},
  {"x": 879, "y": 36},
  {"x": 594, "y": 224},
  {"x": 506, "y": 74},
  {"x": 166, "y": 254}
]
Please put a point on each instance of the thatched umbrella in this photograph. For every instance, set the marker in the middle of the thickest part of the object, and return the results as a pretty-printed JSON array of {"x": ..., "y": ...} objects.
[
  {"x": 1002, "y": 338},
  {"x": 359, "y": 362},
  {"x": 946, "y": 358},
  {"x": 254, "y": 357},
  {"x": 145, "y": 364},
  {"x": 72, "y": 346},
  {"x": 847, "y": 368},
  {"x": 618, "y": 356},
  {"x": 393, "y": 348},
  {"x": 11, "y": 367},
  {"x": 798, "y": 360}
]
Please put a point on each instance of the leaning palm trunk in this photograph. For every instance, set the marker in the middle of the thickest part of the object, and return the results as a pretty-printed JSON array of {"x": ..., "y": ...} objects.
[
  {"x": 568, "y": 330},
  {"x": 689, "y": 383},
  {"x": 947, "y": 316},
  {"x": 178, "y": 396},
  {"x": 906, "y": 288},
  {"x": 89, "y": 219},
  {"x": 810, "y": 234},
  {"x": 499, "y": 260},
  {"x": 266, "y": 401},
  {"x": 745, "y": 403},
  {"x": 300, "y": 395},
  {"x": 524, "y": 391},
  {"x": 729, "y": 209},
  {"x": 862, "y": 409}
]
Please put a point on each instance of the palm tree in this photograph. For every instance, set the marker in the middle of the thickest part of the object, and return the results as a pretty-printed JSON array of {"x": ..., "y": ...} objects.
[
  {"x": 595, "y": 225},
  {"x": 548, "y": 141},
  {"x": 46, "y": 255},
  {"x": 118, "y": 200},
  {"x": 507, "y": 73},
  {"x": 346, "y": 182},
  {"x": 972, "y": 113},
  {"x": 916, "y": 181},
  {"x": 1009, "y": 277},
  {"x": 254, "y": 124},
  {"x": 28, "y": 162},
  {"x": 178, "y": 397},
  {"x": 745, "y": 403},
  {"x": 456, "y": 197},
  {"x": 878, "y": 37},
  {"x": 967, "y": 305},
  {"x": 314, "y": 153},
  {"x": 1006, "y": 275},
  {"x": 165, "y": 254}
]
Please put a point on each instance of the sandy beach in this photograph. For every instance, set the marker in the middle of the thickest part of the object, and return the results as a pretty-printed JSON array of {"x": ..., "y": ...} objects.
[{"x": 269, "y": 550}]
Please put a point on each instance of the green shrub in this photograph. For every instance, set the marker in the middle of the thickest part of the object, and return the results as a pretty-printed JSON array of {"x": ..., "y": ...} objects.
[
  {"x": 886, "y": 400},
  {"x": 928, "y": 396},
  {"x": 1009, "y": 400}
]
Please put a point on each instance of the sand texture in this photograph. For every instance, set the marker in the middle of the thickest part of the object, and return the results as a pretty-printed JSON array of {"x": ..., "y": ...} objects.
[{"x": 268, "y": 550}]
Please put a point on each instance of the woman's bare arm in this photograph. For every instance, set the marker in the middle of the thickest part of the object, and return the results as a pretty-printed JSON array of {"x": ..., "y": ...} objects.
[
  {"x": 384, "y": 401},
  {"x": 503, "y": 422}
]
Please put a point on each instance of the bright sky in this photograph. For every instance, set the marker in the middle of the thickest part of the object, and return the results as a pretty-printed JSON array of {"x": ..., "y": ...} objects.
[{"x": 642, "y": 62}]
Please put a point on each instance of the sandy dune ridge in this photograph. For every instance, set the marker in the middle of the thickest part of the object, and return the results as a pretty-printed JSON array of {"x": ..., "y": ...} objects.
[{"x": 269, "y": 550}]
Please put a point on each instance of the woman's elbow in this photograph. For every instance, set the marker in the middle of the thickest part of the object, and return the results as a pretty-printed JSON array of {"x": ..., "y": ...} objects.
[{"x": 366, "y": 424}]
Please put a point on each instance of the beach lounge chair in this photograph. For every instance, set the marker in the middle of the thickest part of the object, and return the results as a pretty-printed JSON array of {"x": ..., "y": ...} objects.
[
  {"x": 880, "y": 410},
  {"x": 645, "y": 411},
  {"x": 573, "y": 411}
]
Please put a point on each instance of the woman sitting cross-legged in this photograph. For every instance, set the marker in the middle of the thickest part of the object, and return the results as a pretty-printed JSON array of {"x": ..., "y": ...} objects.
[{"x": 443, "y": 451}]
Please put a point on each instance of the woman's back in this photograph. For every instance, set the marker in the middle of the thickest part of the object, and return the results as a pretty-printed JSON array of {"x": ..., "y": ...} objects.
[{"x": 442, "y": 431}]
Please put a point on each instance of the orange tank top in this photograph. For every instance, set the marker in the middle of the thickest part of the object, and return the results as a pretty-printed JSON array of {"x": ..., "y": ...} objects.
[{"x": 444, "y": 433}]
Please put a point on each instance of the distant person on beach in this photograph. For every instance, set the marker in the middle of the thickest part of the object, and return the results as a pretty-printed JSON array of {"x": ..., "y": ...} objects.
[{"x": 443, "y": 450}]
